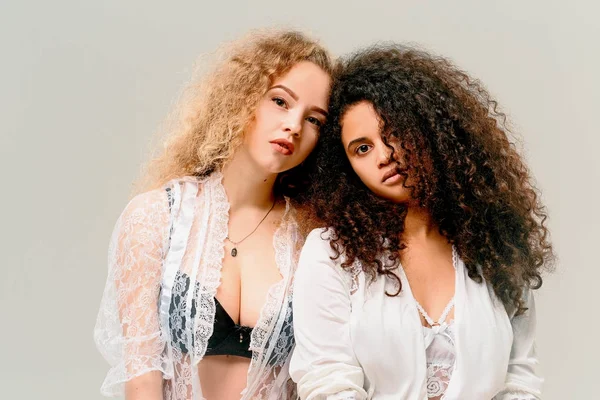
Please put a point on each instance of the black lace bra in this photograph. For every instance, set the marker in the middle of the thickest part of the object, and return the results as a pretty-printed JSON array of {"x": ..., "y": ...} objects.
[{"x": 228, "y": 338}]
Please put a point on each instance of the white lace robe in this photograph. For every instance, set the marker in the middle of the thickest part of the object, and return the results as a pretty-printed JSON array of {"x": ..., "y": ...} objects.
[
  {"x": 353, "y": 342},
  {"x": 175, "y": 230}
]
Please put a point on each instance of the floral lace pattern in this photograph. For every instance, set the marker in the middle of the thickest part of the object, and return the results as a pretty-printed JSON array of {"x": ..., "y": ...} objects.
[
  {"x": 273, "y": 336},
  {"x": 127, "y": 329},
  {"x": 151, "y": 321},
  {"x": 438, "y": 377}
]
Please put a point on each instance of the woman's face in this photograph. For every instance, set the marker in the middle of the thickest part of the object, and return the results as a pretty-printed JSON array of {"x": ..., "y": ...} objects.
[
  {"x": 288, "y": 118},
  {"x": 370, "y": 156}
]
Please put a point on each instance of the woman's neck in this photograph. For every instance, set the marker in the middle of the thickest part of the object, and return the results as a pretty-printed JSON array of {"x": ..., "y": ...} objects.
[
  {"x": 419, "y": 226},
  {"x": 246, "y": 184}
]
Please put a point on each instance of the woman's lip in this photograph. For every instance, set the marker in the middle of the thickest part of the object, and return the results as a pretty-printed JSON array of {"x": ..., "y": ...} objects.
[
  {"x": 283, "y": 146},
  {"x": 392, "y": 177},
  {"x": 281, "y": 149}
]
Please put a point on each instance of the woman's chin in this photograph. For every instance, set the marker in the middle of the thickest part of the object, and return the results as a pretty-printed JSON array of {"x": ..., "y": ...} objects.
[{"x": 276, "y": 166}]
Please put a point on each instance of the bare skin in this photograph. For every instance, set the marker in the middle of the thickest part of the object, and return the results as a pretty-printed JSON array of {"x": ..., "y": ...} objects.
[{"x": 427, "y": 262}]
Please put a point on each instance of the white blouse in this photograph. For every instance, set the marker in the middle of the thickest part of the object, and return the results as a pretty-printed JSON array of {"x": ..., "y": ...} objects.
[{"x": 355, "y": 342}]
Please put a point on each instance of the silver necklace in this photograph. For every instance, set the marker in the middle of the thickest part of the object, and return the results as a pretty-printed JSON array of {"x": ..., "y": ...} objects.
[{"x": 234, "y": 251}]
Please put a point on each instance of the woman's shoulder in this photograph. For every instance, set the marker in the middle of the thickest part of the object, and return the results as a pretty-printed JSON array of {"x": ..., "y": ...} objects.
[
  {"x": 159, "y": 201},
  {"x": 318, "y": 253},
  {"x": 183, "y": 181},
  {"x": 188, "y": 187},
  {"x": 155, "y": 200},
  {"x": 320, "y": 237},
  {"x": 318, "y": 247}
]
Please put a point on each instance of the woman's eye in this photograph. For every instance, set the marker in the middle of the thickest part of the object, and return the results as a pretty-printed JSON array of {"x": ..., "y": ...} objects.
[
  {"x": 279, "y": 101},
  {"x": 314, "y": 121},
  {"x": 362, "y": 149}
]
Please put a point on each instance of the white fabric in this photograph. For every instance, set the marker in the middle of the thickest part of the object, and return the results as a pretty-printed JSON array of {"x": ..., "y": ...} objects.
[
  {"x": 149, "y": 321},
  {"x": 440, "y": 355},
  {"x": 439, "y": 350},
  {"x": 355, "y": 339}
]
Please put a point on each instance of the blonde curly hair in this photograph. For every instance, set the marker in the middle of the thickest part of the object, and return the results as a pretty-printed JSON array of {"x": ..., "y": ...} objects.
[{"x": 209, "y": 120}]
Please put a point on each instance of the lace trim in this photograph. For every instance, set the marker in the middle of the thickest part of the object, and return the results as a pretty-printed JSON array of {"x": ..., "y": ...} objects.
[
  {"x": 454, "y": 258},
  {"x": 357, "y": 268},
  {"x": 194, "y": 201},
  {"x": 275, "y": 319},
  {"x": 215, "y": 207},
  {"x": 174, "y": 254},
  {"x": 273, "y": 302},
  {"x": 443, "y": 317}
]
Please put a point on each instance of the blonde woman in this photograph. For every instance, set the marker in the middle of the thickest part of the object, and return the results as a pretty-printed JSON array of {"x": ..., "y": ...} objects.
[{"x": 197, "y": 300}]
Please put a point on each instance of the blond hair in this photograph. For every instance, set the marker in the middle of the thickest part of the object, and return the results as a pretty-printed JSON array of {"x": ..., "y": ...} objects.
[{"x": 207, "y": 125}]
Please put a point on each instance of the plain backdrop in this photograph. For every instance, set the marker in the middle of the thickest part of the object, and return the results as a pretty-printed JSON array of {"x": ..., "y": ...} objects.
[{"x": 84, "y": 85}]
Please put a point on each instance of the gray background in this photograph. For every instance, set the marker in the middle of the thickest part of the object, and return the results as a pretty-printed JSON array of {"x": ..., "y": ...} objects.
[{"x": 84, "y": 85}]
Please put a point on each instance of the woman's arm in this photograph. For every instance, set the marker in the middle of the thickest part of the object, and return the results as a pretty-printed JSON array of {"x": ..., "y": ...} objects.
[
  {"x": 128, "y": 332},
  {"x": 147, "y": 386},
  {"x": 323, "y": 363},
  {"x": 523, "y": 381}
]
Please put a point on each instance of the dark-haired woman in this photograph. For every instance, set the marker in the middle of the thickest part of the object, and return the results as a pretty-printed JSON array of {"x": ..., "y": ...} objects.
[{"x": 420, "y": 285}]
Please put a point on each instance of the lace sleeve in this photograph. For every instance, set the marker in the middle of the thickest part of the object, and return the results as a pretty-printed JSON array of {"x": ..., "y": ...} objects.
[
  {"x": 127, "y": 330},
  {"x": 523, "y": 381}
]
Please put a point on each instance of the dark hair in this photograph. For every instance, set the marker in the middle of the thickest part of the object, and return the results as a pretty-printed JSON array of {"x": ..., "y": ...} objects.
[{"x": 467, "y": 172}]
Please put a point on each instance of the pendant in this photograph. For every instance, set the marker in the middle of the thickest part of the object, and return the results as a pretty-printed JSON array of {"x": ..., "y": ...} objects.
[{"x": 234, "y": 252}]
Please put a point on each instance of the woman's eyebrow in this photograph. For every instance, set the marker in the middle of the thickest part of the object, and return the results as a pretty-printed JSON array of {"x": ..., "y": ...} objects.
[
  {"x": 295, "y": 97},
  {"x": 360, "y": 139}
]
